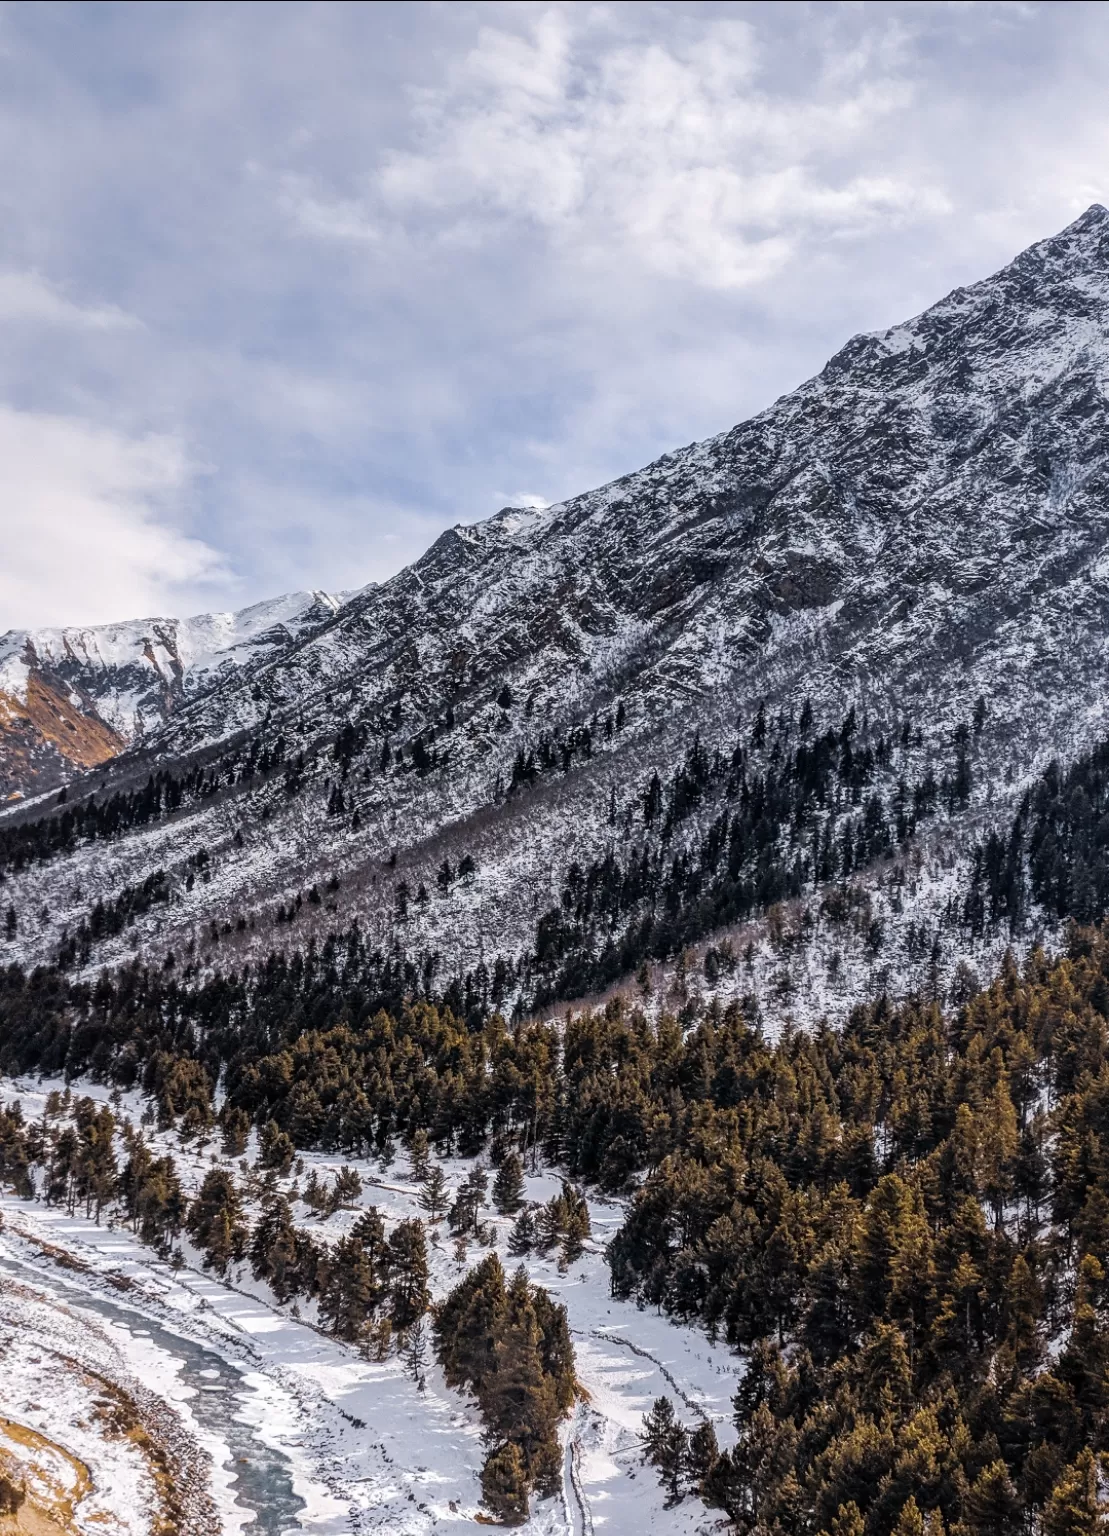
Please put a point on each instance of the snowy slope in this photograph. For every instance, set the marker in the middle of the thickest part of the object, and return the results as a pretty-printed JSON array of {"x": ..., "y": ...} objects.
[
  {"x": 364, "y": 1449},
  {"x": 923, "y": 523}
]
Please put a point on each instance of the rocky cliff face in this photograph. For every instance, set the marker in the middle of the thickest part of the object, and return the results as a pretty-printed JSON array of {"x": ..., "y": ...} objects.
[
  {"x": 71, "y": 699},
  {"x": 921, "y": 525}
]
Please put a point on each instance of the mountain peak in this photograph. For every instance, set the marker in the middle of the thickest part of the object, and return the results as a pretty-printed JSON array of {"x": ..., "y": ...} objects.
[{"x": 1095, "y": 217}]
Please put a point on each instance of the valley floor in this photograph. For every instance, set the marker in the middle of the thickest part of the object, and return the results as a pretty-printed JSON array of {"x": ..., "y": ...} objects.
[{"x": 282, "y": 1428}]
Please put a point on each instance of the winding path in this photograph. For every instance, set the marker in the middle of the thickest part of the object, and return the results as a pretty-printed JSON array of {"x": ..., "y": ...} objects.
[
  {"x": 581, "y": 1517},
  {"x": 645, "y": 1354}
]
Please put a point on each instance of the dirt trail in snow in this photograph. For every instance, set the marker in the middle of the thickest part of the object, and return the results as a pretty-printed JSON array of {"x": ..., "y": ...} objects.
[
  {"x": 581, "y": 1516},
  {"x": 645, "y": 1354}
]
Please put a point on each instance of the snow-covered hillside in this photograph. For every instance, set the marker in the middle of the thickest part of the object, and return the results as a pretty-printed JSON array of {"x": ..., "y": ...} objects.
[
  {"x": 921, "y": 526},
  {"x": 346, "y": 1443}
]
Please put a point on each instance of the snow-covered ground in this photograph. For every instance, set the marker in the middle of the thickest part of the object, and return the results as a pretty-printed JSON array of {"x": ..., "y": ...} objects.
[{"x": 364, "y": 1449}]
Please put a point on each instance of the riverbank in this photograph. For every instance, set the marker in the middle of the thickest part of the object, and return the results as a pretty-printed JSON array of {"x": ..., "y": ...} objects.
[
  {"x": 90, "y": 1447},
  {"x": 366, "y": 1449}
]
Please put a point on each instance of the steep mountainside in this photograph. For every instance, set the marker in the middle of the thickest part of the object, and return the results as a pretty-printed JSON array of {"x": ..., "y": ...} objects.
[
  {"x": 74, "y": 698},
  {"x": 919, "y": 528}
]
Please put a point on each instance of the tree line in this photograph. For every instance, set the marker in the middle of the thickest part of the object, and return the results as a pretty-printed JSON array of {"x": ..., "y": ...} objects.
[
  {"x": 905, "y": 1227},
  {"x": 1054, "y": 855}
]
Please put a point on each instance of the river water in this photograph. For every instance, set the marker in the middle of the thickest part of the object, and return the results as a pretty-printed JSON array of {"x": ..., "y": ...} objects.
[{"x": 261, "y": 1478}]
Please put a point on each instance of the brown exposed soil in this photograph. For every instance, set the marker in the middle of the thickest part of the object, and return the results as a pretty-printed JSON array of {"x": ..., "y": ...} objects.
[
  {"x": 51, "y": 1500},
  {"x": 82, "y": 738}
]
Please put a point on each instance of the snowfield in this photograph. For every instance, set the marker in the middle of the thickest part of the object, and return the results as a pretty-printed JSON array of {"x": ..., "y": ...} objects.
[{"x": 356, "y": 1441}]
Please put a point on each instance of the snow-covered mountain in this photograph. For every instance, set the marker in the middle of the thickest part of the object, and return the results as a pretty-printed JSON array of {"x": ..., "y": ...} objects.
[
  {"x": 74, "y": 698},
  {"x": 921, "y": 525}
]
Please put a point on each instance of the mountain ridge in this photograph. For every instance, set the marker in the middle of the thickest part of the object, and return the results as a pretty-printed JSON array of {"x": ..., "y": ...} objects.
[{"x": 920, "y": 526}]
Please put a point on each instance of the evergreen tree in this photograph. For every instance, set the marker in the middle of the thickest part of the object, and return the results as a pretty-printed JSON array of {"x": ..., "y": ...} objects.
[
  {"x": 508, "y": 1186},
  {"x": 235, "y": 1125},
  {"x": 215, "y": 1221},
  {"x": 276, "y": 1149},
  {"x": 347, "y": 1188},
  {"x": 993, "y": 1507},
  {"x": 433, "y": 1196},
  {"x": 415, "y": 1352},
  {"x": 910, "y": 1522},
  {"x": 408, "y": 1274},
  {"x": 666, "y": 1445},
  {"x": 1075, "y": 1507},
  {"x": 504, "y": 1484},
  {"x": 274, "y": 1250},
  {"x": 419, "y": 1156},
  {"x": 576, "y": 1227},
  {"x": 702, "y": 1455},
  {"x": 522, "y": 1238},
  {"x": 352, "y": 1289}
]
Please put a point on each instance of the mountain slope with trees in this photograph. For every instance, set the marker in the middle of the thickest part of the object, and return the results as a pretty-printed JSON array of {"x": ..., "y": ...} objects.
[{"x": 914, "y": 537}]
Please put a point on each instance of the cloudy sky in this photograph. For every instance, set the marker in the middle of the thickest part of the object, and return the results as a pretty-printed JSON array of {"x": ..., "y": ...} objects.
[{"x": 285, "y": 290}]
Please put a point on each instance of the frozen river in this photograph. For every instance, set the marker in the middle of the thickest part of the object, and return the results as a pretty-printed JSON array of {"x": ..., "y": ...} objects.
[{"x": 259, "y": 1477}]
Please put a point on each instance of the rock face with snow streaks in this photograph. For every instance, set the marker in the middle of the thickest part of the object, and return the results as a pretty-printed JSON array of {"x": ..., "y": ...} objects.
[
  {"x": 922, "y": 524},
  {"x": 929, "y": 512}
]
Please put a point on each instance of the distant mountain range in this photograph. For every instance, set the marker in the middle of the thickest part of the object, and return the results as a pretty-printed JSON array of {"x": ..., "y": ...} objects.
[
  {"x": 910, "y": 551},
  {"x": 73, "y": 698}
]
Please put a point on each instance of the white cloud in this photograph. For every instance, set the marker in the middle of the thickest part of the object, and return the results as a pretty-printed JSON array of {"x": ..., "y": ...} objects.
[
  {"x": 664, "y": 155},
  {"x": 27, "y": 296},
  {"x": 329, "y": 219},
  {"x": 83, "y": 530},
  {"x": 525, "y": 499},
  {"x": 391, "y": 260}
]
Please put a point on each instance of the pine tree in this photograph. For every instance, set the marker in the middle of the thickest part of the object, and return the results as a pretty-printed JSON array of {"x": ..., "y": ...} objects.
[
  {"x": 518, "y": 1396},
  {"x": 910, "y": 1522},
  {"x": 504, "y": 1484},
  {"x": 522, "y": 1238},
  {"x": 433, "y": 1196},
  {"x": 1075, "y": 1507},
  {"x": 351, "y": 1291},
  {"x": 467, "y": 1323},
  {"x": 274, "y": 1255},
  {"x": 848, "y": 1520},
  {"x": 992, "y": 1506},
  {"x": 347, "y": 1189},
  {"x": 577, "y": 1227},
  {"x": 419, "y": 1156},
  {"x": 666, "y": 1445},
  {"x": 1023, "y": 1308},
  {"x": 1084, "y": 1363},
  {"x": 702, "y": 1455},
  {"x": 550, "y": 1223},
  {"x": 235, "y": 1124},
  {"x": 415, "y": 1353},
  {"x": 215, "y": 1221},
  {"x": 276, "y": 1149},
  {"x": 508, "y": 1186},
  {"x": 408, "y": 1272}
]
